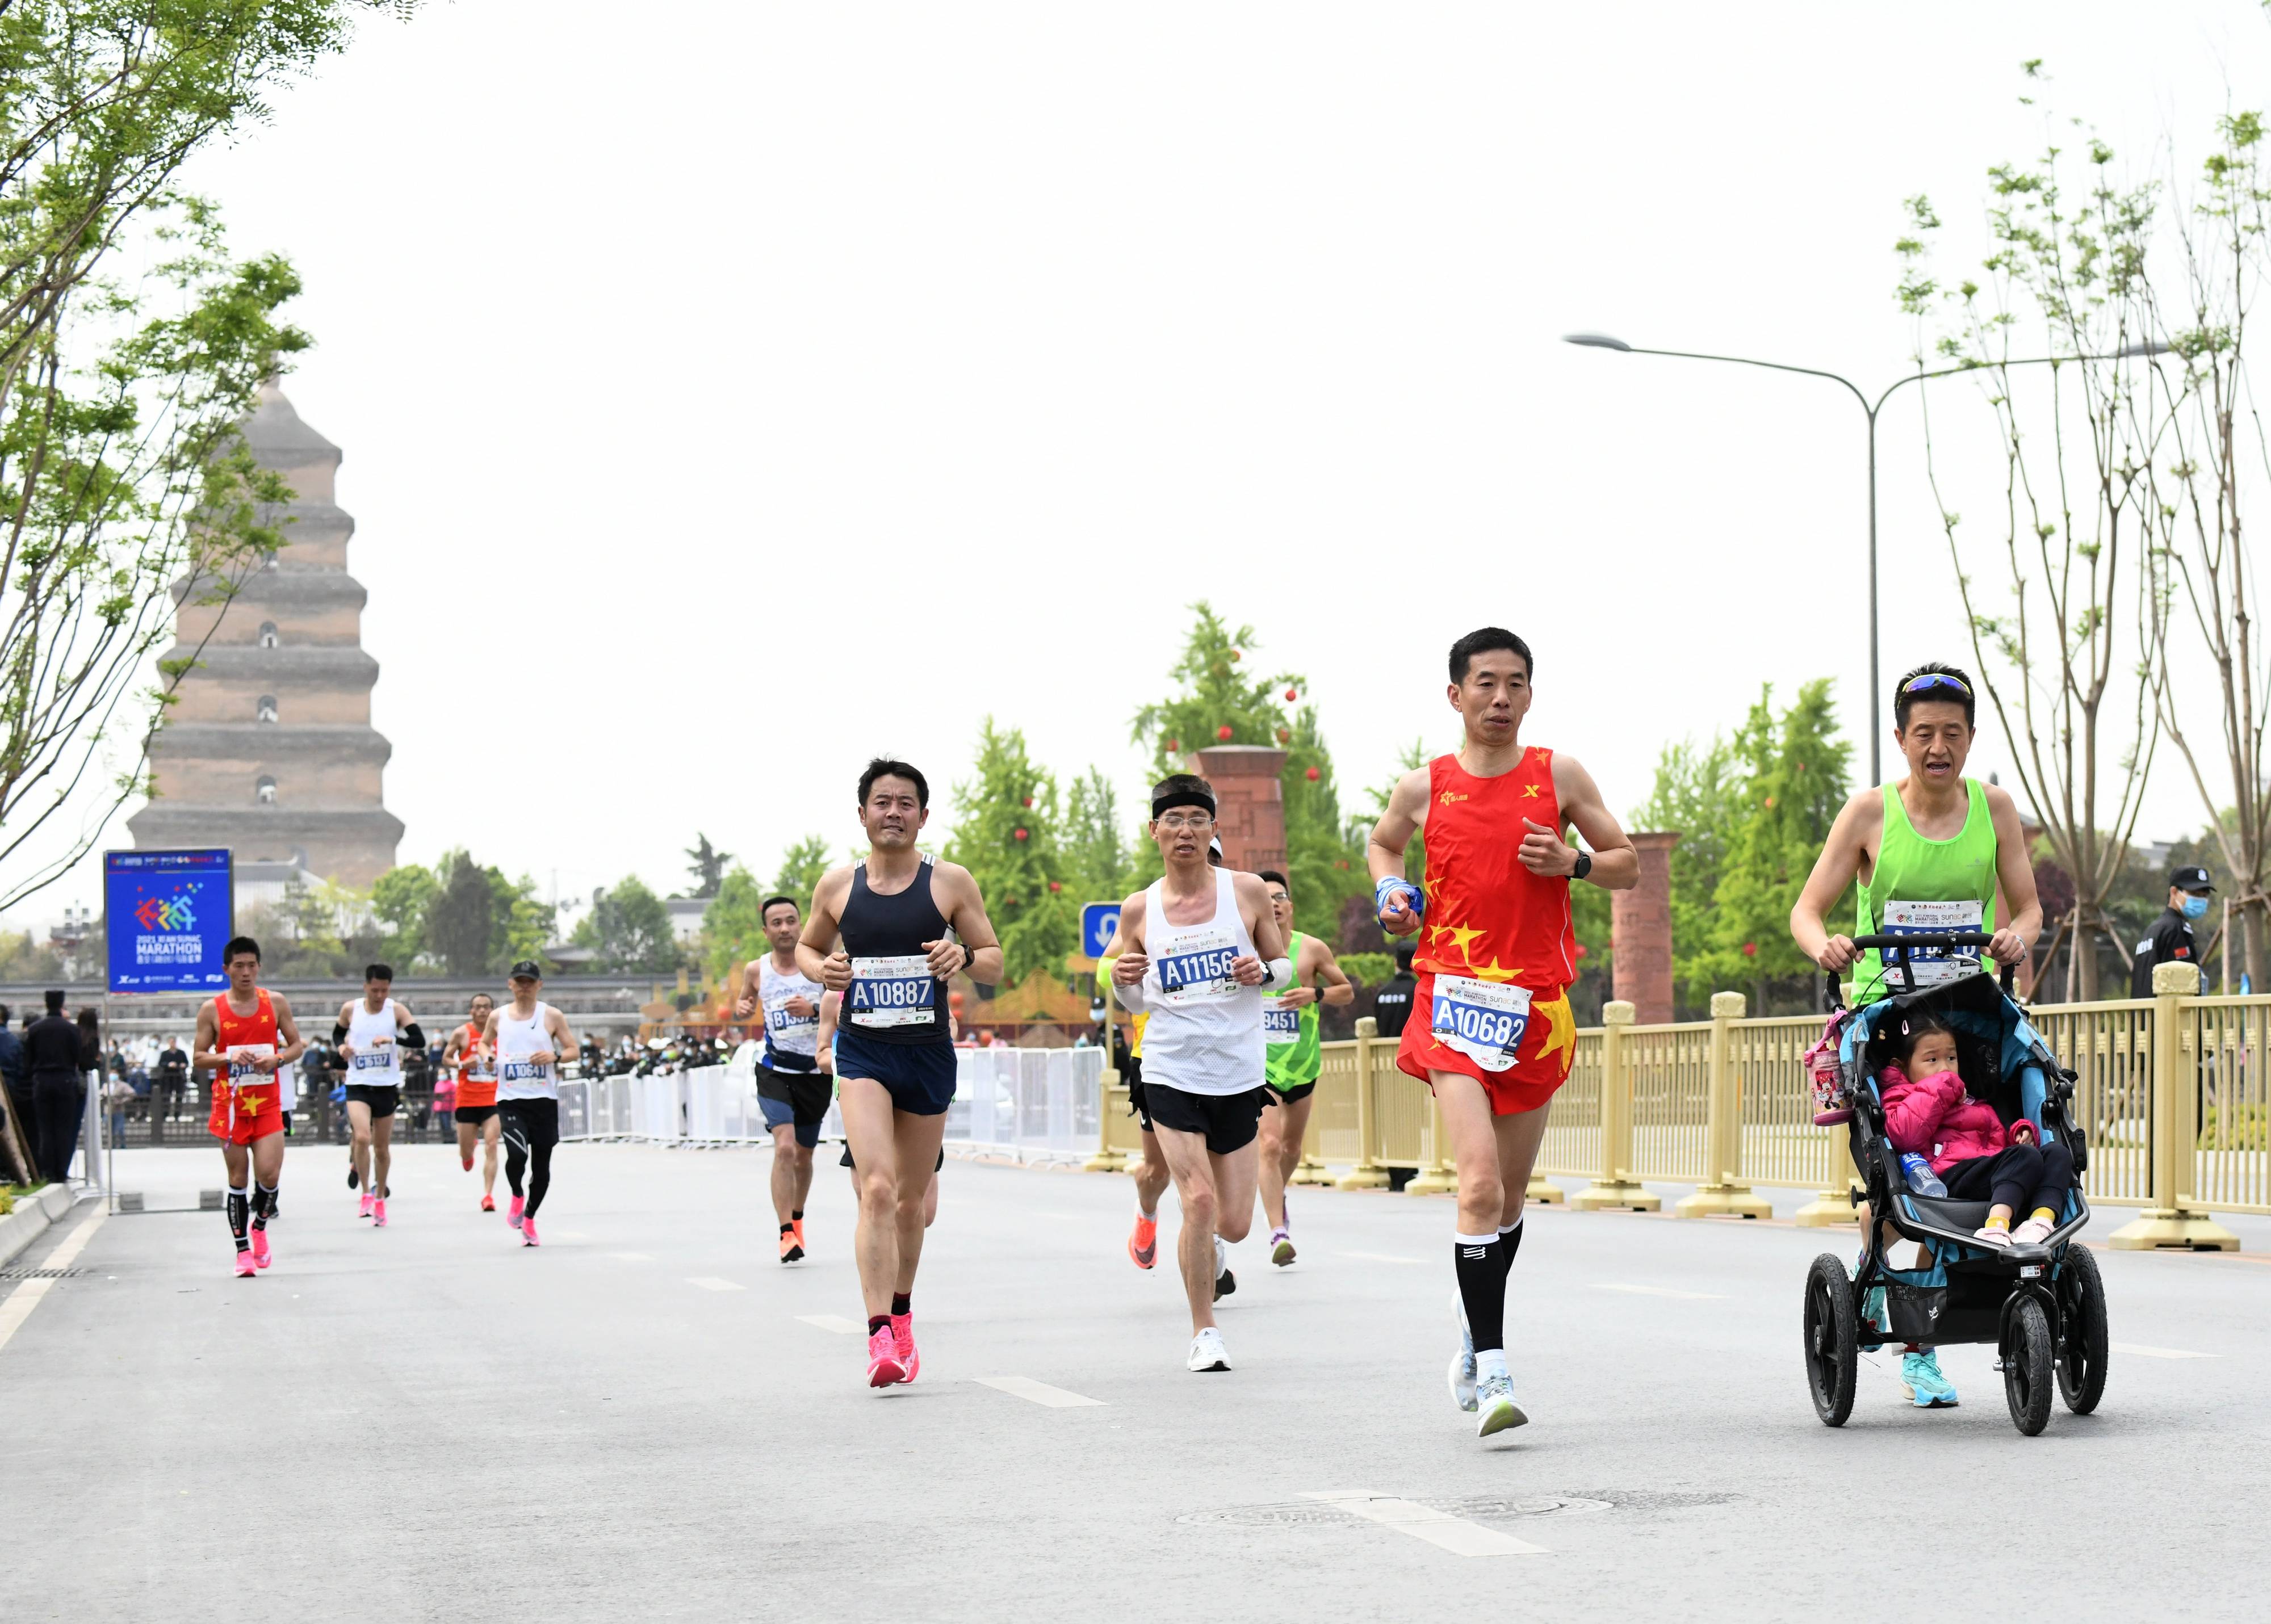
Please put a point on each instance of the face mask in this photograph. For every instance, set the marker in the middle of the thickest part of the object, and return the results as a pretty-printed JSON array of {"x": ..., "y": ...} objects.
[{"x": 2195, "y": 908}]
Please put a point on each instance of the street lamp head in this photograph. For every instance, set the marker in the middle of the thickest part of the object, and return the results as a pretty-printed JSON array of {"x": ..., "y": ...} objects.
[
  {"x": 1597, "y": 341},
  {"x": 2143, "y": 348}
]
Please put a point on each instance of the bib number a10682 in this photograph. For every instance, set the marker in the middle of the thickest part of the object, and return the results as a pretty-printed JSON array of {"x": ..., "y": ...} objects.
[
  {"x": 1482, "y": 1020},
  {"x": 892, "y": 992}
]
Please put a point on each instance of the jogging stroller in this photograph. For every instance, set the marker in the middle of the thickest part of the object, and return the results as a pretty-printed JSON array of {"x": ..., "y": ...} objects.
[{"x": 2043, "y": 1306}]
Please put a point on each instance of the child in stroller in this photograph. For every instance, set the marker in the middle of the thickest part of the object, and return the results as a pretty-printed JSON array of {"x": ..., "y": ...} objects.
[{"x": 1929, "y": 1113}]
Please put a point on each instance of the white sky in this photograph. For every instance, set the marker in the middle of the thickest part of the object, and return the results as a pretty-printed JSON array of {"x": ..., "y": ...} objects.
[{"x": 733, "y": 393}]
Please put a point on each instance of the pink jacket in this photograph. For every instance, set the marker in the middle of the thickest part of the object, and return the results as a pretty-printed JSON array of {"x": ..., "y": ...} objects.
[{"x": 1933, "y": 1117}]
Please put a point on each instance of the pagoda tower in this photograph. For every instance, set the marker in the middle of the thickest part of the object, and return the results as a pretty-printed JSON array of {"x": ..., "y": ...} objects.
[{"x": 269, "y": 750}]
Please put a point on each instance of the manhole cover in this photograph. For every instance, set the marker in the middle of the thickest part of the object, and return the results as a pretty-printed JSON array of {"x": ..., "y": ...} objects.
[
  {"x": 1295, "y": 1513},
  {"x": 39, "y": 1273}
]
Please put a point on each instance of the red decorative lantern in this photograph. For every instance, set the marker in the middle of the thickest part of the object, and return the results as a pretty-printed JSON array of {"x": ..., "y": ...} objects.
[
  {"x": 1292, "y": 693},
  {"x": 1284, "y": 735},
  {"x": 1582, "y": 949},
  {"x": 1223, "y": 733},
  {"x": 1312, "y": 775},
  {"x": 1750, "y": 949},
  {"x": 1235, "y": 655},
  {"x": 1009, "y": 902},
  {"x": 954, "y": 1002},
  {"x": 1174, "y": 746},
  {"x": 1027, "y": 803},
  {"x": 1023, "y": 834},
  {"x": 1055, "y": 886}
]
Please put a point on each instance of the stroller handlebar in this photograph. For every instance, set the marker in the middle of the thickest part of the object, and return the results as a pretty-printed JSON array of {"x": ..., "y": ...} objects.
[{"x": 1832, "y": 997}]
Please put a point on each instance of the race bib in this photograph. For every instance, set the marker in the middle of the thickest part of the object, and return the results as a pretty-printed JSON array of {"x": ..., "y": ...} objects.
[
  {"x": 1931, "y": 966},
  {"x": 523, "y": 1071},
  {"x": 1198, "y": 968},
  {"x": 239, "y": 1070},
  {"x": 1483, "y": 1020},
  {"x": 1280, "y": 1024},
  {"x": 892, "y": 992},
  {"x": 375, "y": 1060},
  {"x": 481, "y": 1070}
]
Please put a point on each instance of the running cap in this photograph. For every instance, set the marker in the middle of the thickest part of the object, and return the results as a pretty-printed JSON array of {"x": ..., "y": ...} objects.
[
  {"x": 1214, "y": 852},
  {"x": 2192, "y": 880},
  {"x": 525, "y": 970}
]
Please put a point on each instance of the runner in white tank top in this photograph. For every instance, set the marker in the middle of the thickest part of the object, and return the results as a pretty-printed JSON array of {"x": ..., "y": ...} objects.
[
  {"x": 370, "y": 1035},
  {"x": 1196, "y": 951},
  {"x": 792, "y": 1089},
  {"x": 529, "y": 1037}
]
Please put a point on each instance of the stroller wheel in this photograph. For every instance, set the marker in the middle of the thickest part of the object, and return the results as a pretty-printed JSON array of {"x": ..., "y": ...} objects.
[
  {"x": 2027, "y": 1366},
  {"x": 2082, "y": 1315},
  {"x": 1832, "y": 1327}
]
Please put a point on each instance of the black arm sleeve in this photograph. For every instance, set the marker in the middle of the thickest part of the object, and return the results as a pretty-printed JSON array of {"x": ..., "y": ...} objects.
[
  {"x": 339, "y": 1034},
  {"x": 413, "y": 1038}
]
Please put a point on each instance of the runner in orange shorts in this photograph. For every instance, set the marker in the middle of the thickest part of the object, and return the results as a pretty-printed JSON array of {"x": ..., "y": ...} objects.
[
  {"x": 1490, "y": 1030},
  {"x": 246, "y": 1036}
]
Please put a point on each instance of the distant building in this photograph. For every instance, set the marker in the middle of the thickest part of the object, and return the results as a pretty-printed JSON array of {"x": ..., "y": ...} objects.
[{"x": 270, "y": 750}]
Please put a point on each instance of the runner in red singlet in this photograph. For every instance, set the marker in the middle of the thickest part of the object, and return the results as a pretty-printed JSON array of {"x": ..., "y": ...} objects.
[
  {"x": 246, "y": 1035},
  {"x": 1490, "y": 1030},
  {"x": 470, "y": 1051}
]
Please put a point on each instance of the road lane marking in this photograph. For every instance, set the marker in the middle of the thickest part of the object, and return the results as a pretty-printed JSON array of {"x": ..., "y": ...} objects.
[
  {"x": 1439, "y": 1529},
  {"x": 711, "y": 1283},
  {"x": 836, "y": 1322},
  {"x": 1038, "y": 1392},
  {"x": 1381, "y": 1257},
  {"x": 1661, "y": 1291},
  {"x": 27, "y": 1296},
  {"x": 2139, "y": 1348}
]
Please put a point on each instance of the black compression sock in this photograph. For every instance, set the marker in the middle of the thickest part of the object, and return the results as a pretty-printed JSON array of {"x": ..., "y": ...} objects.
[
  {"x": 878, "y": 1321},
  {"x": 787, "y": 1227},
  {"x": 238, "y": 1209},
  {"x": 264, "y": 1205},
  {"x": 901, "y": 1303},
  {"x": 1482, "y": 1288},
  {"x": 798, "y": 1215},
  {"x": 1509, "y": 1241}
]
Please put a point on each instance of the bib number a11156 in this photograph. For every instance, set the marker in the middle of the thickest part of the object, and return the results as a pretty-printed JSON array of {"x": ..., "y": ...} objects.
[
  {"x": 1482, "y": 1020},
  {"x": 1196, "y": 966},
  {"x": 892, "y": 992}
]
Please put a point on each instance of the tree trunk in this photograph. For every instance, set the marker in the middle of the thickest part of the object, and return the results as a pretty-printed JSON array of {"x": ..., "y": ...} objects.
[
  {"x": 2251, "y": 939},
  {"x": 2085, "y": 960}
]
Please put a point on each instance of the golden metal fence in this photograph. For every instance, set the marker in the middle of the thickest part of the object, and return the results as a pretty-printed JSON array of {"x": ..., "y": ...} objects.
[{"x": 2176, "y": 1127}]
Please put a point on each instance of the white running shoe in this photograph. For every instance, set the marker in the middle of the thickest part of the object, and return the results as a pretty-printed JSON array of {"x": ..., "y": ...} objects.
[
  {"x": 1463, "y": 1361},
  {"x": 1495, "y": 1406},
  {"x": 1207, "y": 1352}
]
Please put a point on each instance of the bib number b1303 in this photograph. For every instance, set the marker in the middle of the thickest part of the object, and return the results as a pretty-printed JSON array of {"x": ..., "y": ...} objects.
[{"x": 1482, "y": 1020}]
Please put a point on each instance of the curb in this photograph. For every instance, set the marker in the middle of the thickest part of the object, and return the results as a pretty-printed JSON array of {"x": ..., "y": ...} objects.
[{"x": 30, "y": 1220}]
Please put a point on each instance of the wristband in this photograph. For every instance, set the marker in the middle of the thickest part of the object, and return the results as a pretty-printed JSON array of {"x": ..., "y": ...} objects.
[
  {"x": 1277, "y": 975},
  {"x": 1392, "y": 886}
]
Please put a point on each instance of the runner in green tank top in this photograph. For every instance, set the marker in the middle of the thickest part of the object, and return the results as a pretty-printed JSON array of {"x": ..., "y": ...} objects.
[
  {"x": 1929, "y": 852},
  {"x": 1293, "y": 1061}
]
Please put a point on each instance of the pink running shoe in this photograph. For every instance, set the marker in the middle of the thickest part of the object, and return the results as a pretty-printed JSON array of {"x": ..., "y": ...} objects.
[
  {"x": 883, "y": 1366},
  {"x": 260, "y": 1257},
  {"x": 512, "y": 1215},
  {"x": 528, "y": 1232},
  {"x": 245, "y": 1266},
  {"x": 903, "y": 1340},
  {"x": 369, "y": 1202}
]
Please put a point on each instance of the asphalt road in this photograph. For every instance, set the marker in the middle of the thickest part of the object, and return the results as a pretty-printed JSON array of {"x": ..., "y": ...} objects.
[{"x": 648, "y": 1418}]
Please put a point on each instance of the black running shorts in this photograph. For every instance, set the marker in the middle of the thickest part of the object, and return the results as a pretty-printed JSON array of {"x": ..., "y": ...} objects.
[
  {"x": 1229, "y": 1121},
  {"x": 531, "y": 1121},
  {"x": 380, "y": 1098},
  {"x": 474, "y": 1116},
  {"x": 1287, "y": 1096}
]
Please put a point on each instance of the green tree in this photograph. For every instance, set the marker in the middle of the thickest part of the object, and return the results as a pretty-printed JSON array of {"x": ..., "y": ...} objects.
[
  {"x": 1005, "y": 833},
  {"x": 707, "y": 865},
  {"x": 461, "y": 919},
  {"x": 1698, "y": 794},
  {"x": 121, "y": 471},
  {"x": 526, "y": 925},
  {"x": 398, "y": 902},
  {"x": 630, "y": 930},
  {"x": 1099, "y": 863},
  {"x": 801, "y": 867},
  {"x": 733, "y": 925}
]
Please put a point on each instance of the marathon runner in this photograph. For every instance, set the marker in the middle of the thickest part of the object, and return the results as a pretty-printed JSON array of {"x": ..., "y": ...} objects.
[
  {"x": 243, "y": 1035},
  {"x": 528, "y": 1039},
  {"x": 1195, "y": 952},
  {"x": 369, "y": 1035},
  {"x": 1152, "y": 1172},
  {"x": 883, "y": 933},
  {"x": 793, "y": 1088},
  {"x": 470, "y": 1051},
  {"x": 831, "y": 1005},
  {"x": 1490, "y": 1029},
  {"x": 1928, "y": 854},
  {"x": 1295, "y": 1059}
]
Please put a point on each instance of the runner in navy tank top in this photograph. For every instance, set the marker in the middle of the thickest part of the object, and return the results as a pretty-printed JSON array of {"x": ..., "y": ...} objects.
[{"x": 883, "y": 936}]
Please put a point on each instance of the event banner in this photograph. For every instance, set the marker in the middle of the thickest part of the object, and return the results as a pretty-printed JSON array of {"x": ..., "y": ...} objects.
[{"x": 168, "y": 914}]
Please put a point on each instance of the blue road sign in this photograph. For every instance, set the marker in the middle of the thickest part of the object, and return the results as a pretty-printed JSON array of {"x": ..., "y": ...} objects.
[
  {"x": 1098, "y": 922},
  {"x": 168, "y": 915}
]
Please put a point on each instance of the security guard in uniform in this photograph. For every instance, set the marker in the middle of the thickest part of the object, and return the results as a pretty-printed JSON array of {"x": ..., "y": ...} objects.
[
  {"x": 1391, "y": 1005},
  {"x": 2170, "y": 941}
]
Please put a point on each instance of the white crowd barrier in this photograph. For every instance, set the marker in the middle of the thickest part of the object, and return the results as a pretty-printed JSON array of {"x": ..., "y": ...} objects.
[{"x": 1030, "y": 1104}]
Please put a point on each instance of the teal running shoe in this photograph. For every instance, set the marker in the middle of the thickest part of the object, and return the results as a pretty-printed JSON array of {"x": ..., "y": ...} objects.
[{"x": 1927, "y": 1388}]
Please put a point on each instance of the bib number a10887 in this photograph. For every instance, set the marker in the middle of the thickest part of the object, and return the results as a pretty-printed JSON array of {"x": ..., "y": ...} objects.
[
  {"x": 1482, "y": 1020},
  {"x": 892, "y": 992}
]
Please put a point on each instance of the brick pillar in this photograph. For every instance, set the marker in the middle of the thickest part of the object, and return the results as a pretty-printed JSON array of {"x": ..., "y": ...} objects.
[
  {"x": 1639, "y": 932},
  {"x": 1249, "y": 803}
]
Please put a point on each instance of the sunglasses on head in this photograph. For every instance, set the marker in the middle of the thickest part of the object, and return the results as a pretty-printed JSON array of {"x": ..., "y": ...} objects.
[{"x": 1931, "y": 679}]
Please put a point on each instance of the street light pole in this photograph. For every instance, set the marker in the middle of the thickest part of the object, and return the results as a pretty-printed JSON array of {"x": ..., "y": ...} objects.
[{"x": 1603, "y": 341}]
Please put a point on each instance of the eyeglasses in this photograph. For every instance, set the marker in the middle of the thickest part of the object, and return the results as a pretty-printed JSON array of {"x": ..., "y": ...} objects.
[
  {"x": 1177, "y": 820},
  {"x": 1931, "y": 679}
]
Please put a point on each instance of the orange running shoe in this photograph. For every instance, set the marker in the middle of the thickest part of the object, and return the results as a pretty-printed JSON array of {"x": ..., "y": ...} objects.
[
  {"x": 468, "y": 1160},
  {"x": 791, "y": 1249},
  {"x": 488, "y": 1203},
  {"x": 798, "y": 1225},
  {"x": 883, "y": 1366},
  {"x": 1144, "y": 1243}
]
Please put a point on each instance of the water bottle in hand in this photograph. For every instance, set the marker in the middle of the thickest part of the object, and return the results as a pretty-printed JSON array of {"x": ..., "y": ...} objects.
[{"x": 1920, "y": 1176}]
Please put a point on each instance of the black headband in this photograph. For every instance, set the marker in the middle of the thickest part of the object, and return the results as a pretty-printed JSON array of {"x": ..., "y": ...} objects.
[{"x": 1182, "y": 798}]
